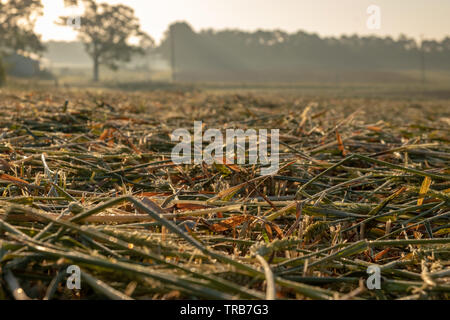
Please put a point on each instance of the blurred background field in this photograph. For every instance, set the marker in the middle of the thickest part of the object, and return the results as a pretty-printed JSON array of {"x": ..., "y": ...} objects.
[{"x": 87, "y": 178}]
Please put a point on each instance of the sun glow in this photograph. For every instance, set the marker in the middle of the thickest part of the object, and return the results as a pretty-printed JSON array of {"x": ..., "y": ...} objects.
[
  {"x": 325, "y": 17},
  {"x": 46, "y": 26}
]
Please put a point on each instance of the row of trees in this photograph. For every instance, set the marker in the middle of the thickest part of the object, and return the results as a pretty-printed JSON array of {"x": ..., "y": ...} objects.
[
  {"x": 278, "y": 51},
  {"x": 112, "y": 34}
]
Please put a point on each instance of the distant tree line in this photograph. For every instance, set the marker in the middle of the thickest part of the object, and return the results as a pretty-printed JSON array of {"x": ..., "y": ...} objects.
[{"x": 280, "y": 54}]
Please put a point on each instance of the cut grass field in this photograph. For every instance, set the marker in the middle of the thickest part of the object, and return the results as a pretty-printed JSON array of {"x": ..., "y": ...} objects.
[{"x": 86, "y": 179}]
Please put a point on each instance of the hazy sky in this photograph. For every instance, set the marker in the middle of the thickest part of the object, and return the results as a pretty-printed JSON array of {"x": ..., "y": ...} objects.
[{"x": 325, "y": 17}]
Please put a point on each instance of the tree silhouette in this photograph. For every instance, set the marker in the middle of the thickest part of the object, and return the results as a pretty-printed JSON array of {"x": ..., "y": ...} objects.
[
  {"x": 107, "y": 32},
  {"x": 17, "y": 20}
]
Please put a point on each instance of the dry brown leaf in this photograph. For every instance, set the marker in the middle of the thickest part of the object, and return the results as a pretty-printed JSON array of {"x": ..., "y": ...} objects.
[
  {"x": 340, "y": 144},
  {"x": 381, "y": 254},
  {"x": 278, "y": 230},
  {"x": 229, "y": 223},
  {"x": 12, "y": 179},
  {"x": 269, "y": 231},
  {"x": 374, "y": 128},
  {"x": 190, "y": 206}
]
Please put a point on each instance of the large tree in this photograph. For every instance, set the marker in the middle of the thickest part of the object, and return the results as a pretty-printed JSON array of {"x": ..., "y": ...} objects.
[
  {"x": 110, "y": 33},
  {"x": 17, "y": 20}
]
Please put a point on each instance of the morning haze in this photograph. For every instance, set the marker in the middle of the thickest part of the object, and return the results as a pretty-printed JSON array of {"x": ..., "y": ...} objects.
[{"x": 326, "y": 17}]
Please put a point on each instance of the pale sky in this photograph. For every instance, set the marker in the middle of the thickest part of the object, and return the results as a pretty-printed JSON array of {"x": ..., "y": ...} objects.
[{"x": 430, "y": 18}]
